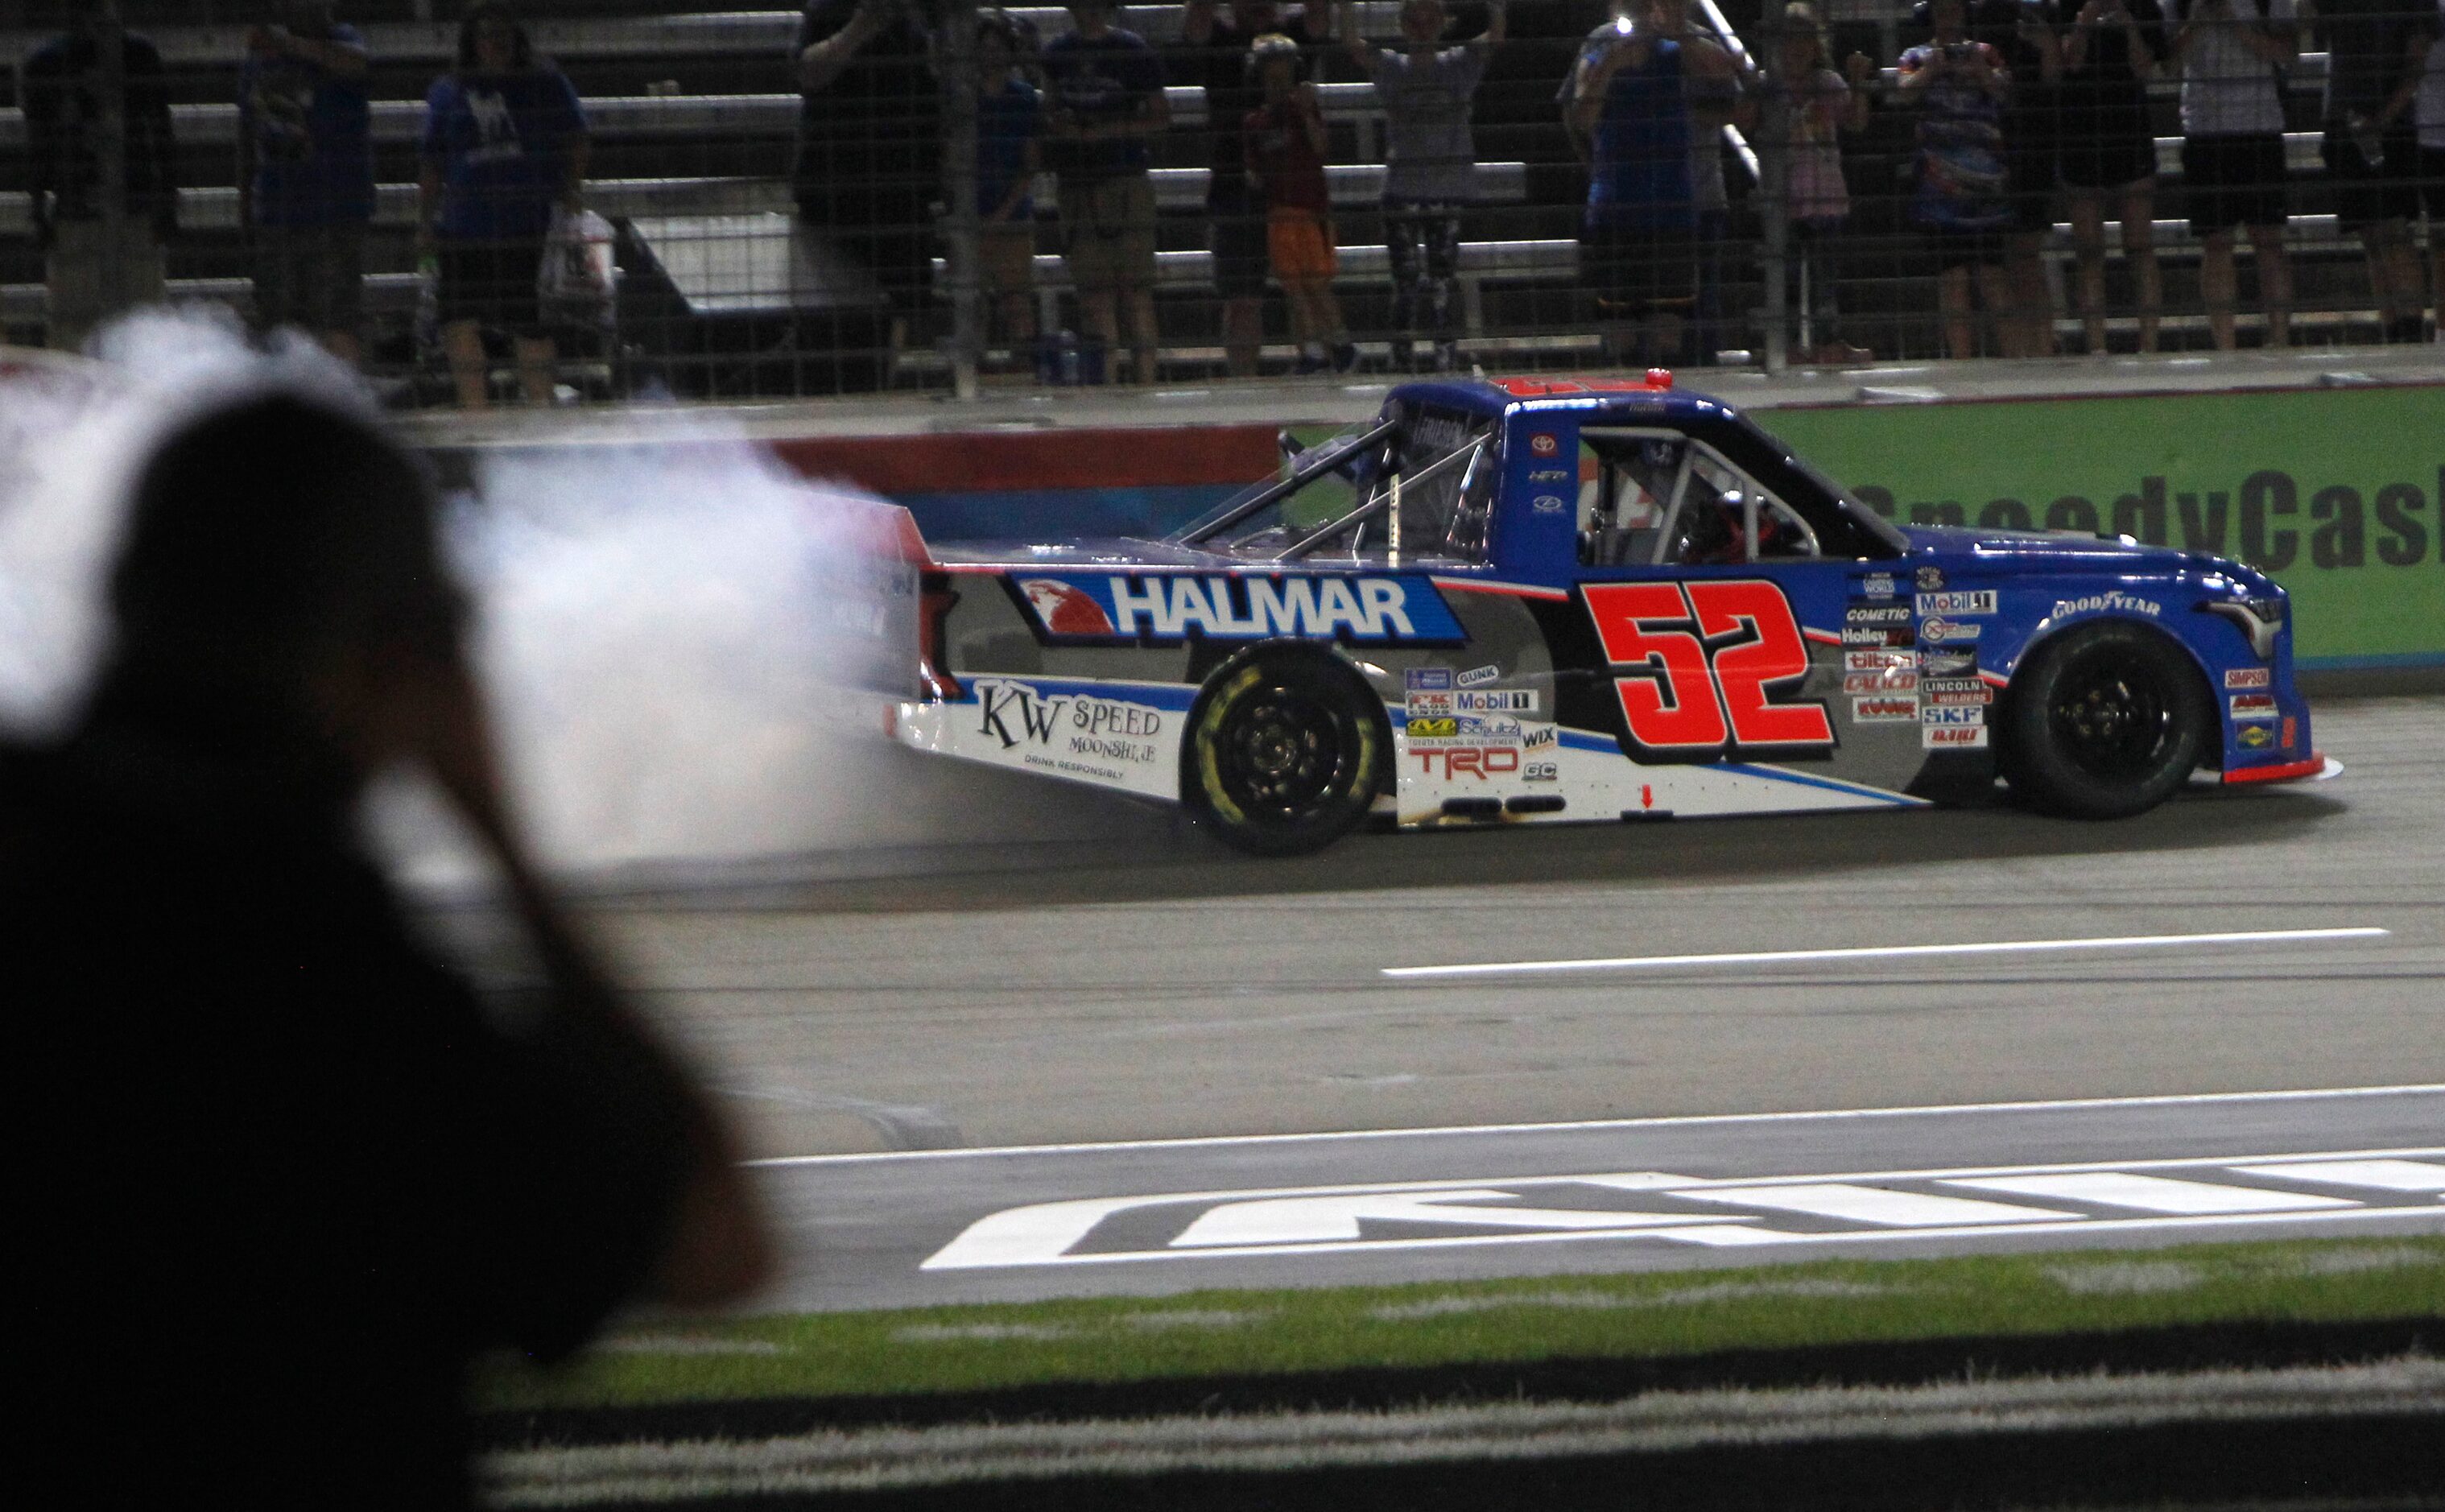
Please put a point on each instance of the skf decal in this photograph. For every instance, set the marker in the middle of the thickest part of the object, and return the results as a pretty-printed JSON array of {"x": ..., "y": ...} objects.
[
  {"x": 1697, "y": 667},
  {"x": 1174, "y": 606}
]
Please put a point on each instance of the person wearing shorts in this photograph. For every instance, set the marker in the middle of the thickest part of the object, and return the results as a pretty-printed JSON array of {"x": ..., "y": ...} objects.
[
  {"x": 1285, "y": 141},
  {"x": 504, "y": 147},
  {"x": 1962, "y": 202},
  {"x": 2377, "y": 53},
  {"x": 2231, "y": 53},
  {"x": 1214, "y": 57},
  {"x": 2027, "y": 32},
  {"x": 1627, "y": 100},
  {"x": 306, "y": 173},
  {"x": 2110, "y": 51},
  {"x": 1106, "y": 87}
]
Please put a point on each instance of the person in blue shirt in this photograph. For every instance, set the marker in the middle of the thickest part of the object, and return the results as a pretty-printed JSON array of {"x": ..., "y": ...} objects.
[
  {"x": 1105, "y": 101},
  {"x": 305, "y": 171},
  {"x": 1628, "y": 100},
  {"x": 505, "y": 146}
]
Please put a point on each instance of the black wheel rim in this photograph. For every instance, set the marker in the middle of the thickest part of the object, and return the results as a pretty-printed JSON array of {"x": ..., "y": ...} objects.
[
  {"x": 1282, "y": 755},
  {"x": 2113, "y": 714}
]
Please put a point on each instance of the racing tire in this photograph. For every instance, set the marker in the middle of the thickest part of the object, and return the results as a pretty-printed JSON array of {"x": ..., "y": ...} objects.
[
  {"x": 2104, "y": 722},
  {"x": 1285, "y": 752}
]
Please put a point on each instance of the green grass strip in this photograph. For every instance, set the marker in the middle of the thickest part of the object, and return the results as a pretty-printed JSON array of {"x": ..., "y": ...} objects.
[{"x": 1645, "y": 1315}]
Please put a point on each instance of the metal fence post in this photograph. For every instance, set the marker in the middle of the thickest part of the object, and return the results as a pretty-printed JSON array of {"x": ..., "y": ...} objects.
[
  {"x": 1774, "y": 212},
  {"x": 956, "y": 65}
]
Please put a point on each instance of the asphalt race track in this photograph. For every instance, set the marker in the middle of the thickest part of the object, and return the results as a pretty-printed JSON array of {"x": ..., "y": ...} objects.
[{"x": 1136, "y": 982}]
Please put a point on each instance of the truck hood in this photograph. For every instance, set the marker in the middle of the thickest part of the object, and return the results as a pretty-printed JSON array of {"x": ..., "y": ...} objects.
[{"x": 2036, "y": 551}]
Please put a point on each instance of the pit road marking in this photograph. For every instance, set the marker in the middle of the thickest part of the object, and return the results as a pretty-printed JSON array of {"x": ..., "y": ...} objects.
[{"x": 1871, "y": 1206}]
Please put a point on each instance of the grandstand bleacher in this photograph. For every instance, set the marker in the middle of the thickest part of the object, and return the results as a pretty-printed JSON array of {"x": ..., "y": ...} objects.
[{"x": 694, "y": 113}]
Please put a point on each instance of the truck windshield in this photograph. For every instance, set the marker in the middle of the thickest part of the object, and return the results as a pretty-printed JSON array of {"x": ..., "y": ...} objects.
[{"x": 1414, "y": 481}]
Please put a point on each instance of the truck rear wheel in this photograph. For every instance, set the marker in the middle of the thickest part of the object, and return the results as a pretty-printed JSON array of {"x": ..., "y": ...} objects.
[{"x": 1284, "y": 751}]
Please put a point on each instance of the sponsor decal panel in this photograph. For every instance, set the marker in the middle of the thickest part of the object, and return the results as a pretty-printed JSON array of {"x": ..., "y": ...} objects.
[
  {"x": 1948, "y": 663},
  {"x": 1877, "y": 615},
  {"x": 1928, "y": 579},
  {"x": 1954, "y": 715},
  {"x": 1876, "y": 586},
  {"x": 1477, "y": 676},
  {"x": 1891, "y": 709},
  {"x": 1174, "y": 606},
  {"x": 2115, "y": 602},
  {"x": 1953, "y": 736},
  {"x": 2254, "y": 706},
  {"x": 1548, "y": 504},
  {"x": 1936, "y": 630},
  {"x": 2255, "y": 737},
  {"x": 1077, "y": 735},
  {"x": 1877, "y": 661},
  {"x": 1442, "y": 728},
  {"x": 1961, "y": 600},
  {"x": 1892, "y": 679},
  {"x": 1540, "y": 738},
  {"x": 1429, "y": 706},
  {"x": 2291, "y": 732},
  {"x": 1977, "y": 697},
  {"x": 1496, "y": 700},
  {"x": 1454, "y": 763},
  {"x": 1876, "y": 635},
  {"x": 2249, "y": 677},
  {"x": 1548, "y": 474},
  {"x": 1427, "y": 676},
  {"x": 1544, "y": 444}
]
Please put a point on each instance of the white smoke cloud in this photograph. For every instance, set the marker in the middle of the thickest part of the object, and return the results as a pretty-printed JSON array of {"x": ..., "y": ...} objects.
[{"x": 668, "y": 631}]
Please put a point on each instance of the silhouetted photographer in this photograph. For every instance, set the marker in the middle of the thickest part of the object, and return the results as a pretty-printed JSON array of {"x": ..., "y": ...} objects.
[{"x": 290, "y": 1175}]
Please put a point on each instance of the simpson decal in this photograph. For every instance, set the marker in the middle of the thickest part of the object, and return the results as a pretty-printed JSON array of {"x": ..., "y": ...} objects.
[
  {"x": 1175, "y": 607},
  {"x": 2249, "y": 677}
]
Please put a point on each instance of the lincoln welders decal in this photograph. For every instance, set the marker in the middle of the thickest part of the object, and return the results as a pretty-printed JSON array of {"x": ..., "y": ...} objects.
[{"x": 1174, "y": 606}]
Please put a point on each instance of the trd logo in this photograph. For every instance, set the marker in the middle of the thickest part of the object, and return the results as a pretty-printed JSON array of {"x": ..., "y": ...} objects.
[{"x": 1481, "y": 762}]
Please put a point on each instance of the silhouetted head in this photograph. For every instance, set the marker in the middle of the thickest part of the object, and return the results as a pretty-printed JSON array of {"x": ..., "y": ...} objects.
[
  {"x": 492, "y": 39},
  {"x": 281, "y": 572}
]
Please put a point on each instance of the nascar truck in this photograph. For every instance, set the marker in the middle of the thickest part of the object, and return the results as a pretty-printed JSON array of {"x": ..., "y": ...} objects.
[{"x": 1538, "y": 601}]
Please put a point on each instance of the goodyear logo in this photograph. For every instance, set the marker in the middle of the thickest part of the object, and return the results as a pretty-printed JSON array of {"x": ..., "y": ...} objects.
[{"x": 1174, "y": 606}]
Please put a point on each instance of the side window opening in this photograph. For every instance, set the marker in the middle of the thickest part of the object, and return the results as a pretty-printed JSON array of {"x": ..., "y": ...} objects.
[{"x": 1663, "y": 499}]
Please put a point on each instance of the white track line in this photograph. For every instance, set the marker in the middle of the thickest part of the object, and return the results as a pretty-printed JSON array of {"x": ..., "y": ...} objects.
[
  {"x": 1584, "y": 1124},
  {"x": 1764, "y": 958}
]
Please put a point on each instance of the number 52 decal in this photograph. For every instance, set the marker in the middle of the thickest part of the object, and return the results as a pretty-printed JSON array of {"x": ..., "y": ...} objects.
[{"x": 1696, "y": 664}]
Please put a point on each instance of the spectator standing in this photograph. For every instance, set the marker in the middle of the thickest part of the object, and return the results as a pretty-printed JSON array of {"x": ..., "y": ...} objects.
[
  {"x": 2231, "y": 54},
  {"x": 2109, "y": 152},
  {"x": 2027, "y": 32},
  {"x": 305, "y": 171},
  {"x": 92, "y": 268},
  {"x": 1106, "y": 100},
  {"x": 1823, "y": 106},
  {"x": 2429, "y": 114},
  {"x": 870, "y": 157},
  {"x": 2376, "y": 55},
  {"x": 1716, "y": 85},
  {"x": 1429, "y": 162},
  {"x": 1285, "y": 145},
  {"x": 1216, "y": 58},
  {"x": 505, "y": 145},
  {"x": 1961, "y": 200},
  {"x": 1009, "y": 114},
  {"x": 1627, "y": 100},
  {"x": 319, "y": 1176}
]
